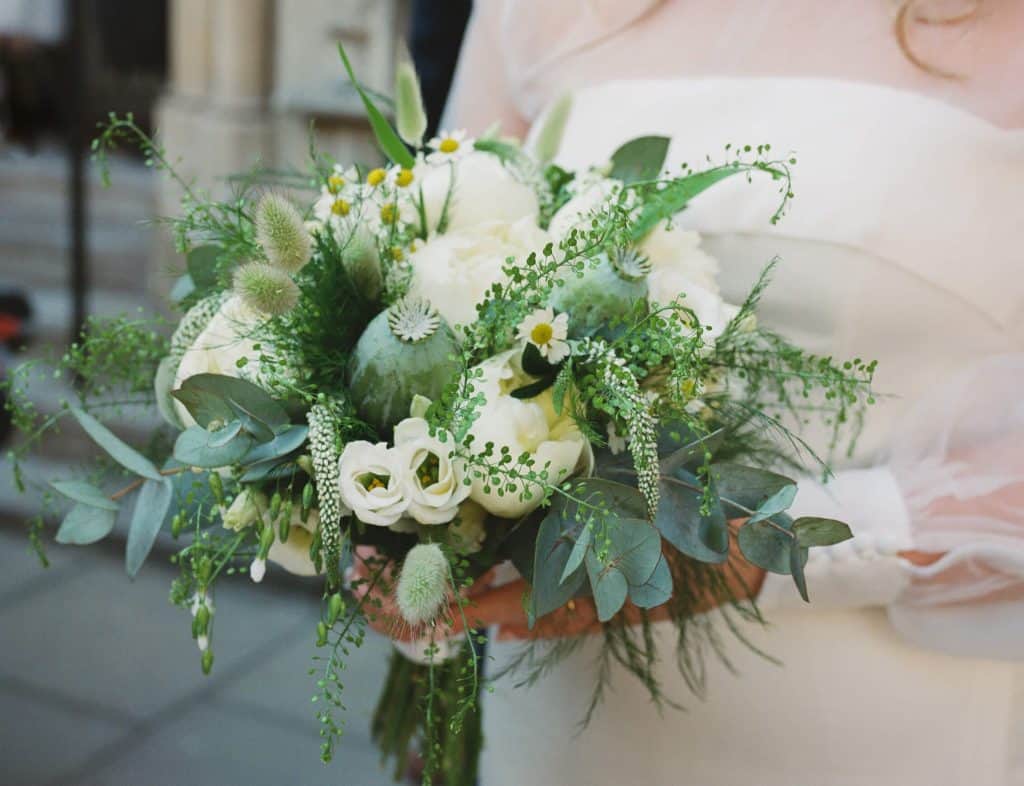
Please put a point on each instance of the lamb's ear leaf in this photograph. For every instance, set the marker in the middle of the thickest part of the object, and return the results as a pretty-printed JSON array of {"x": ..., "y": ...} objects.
[
  {"x": 123, "y": 454},
  {"x": 387, "y": 138},
  {"x": 639, "y": 159},
  {"x": 151, "y": 508}
]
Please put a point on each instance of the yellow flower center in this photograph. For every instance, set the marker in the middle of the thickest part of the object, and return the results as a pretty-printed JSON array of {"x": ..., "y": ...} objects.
[
  {"x": 335, "y": 183},
  {"x": 340, "y": 207},
  {"x": 376, "y": 177},
  {"x": 397, "y": 254},
  {"x": 541, "y": 334},
  {"x": 371, "y": 481},
  {"x": 388, "y": 213},
  {"x": 448, "y": 145},
  {"x": 404, "y": 178}
]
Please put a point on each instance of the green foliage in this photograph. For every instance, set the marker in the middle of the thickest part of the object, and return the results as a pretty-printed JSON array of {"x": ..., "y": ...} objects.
[
  {"x": 85, "y": 524},
  {"x": 639, "y": 159},
  {"x": 151, "y": 507}
]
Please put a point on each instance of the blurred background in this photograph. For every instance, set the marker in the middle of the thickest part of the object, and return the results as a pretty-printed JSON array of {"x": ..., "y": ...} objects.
[{"x": 99, "y": 678}]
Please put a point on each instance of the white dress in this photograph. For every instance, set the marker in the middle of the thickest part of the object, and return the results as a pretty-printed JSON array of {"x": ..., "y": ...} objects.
[{"x": 903, "y": 244}]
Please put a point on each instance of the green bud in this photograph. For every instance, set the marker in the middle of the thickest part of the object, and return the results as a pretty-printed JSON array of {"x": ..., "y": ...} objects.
[
  {"x": 284, "y": 529},
  {"x": 201, "y": 621},
  {"x": 217, "y": 487},
  {"x": 410, "y": 117},
  {"x": 307, "y": 501},
  {"x": 305, "y": 463},
  {"x": 207, "y": 661},
  {"x": 177, "y": 524},
  {"x": 282, "y": 233},
  {"x": 275, "y": 506},
  {"x": 266, "y": 540},
  {"x": 334, "y": 608},
  {"x": 321, "y": 634},
  {"x": 265, "y": 288},
  {"x": 204, "y": 570}
]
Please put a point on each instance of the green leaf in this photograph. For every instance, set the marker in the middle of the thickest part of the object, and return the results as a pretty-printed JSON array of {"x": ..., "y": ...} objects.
[
  {"x": 202, "y": 266},
  {"x": 216, "y": 397},
  {"x": 123, "y": 454},
  {"x": 609, "y": 586},
  {"x": 640, "y": 159},
  {"x": 679, "y": 447},
  {"x": 505, "y": 151},
  {"x": 814, "y": 531},
  {"x": 284, "y": 443},
  {"x": 776, "y": 503},
  {"x": 797, "y": 558},
  {"x": 747, "y": 487},
  {"x": 579, "y": 550},
  {"x": 85, "y": 493},
  {"x": 767, "y": 547},
  {"x": 549, "y": 138},
  {"x": 704, "y": 537},
  {"x": 86, "y": 524},
  {"x": 534, "y": 363},
  {"x": 410, "y": 117},
  {"x": 163, "y": 381},
  {"x": 151, "y": 508},
  {"x": 634, "y": 548},
  {"x": 223, "y": 436},
  {"x": 193, "y": 449},
  {"x": 388, "y": 140},
  {"x": 656, "y": 590},
  {"x": 534, "y": 388},
  {"x": 555, "y": 542},
  {"x": 267, "y": 470},
  {"x": 666, "y": 202}
]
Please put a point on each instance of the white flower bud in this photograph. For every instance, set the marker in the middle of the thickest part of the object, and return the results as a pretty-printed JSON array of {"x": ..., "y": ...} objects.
[{"x": 258, "y": 569}]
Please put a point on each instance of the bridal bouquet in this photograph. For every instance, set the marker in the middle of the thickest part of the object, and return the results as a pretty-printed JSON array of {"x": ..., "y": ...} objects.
[{"x": 399, "y": 377}]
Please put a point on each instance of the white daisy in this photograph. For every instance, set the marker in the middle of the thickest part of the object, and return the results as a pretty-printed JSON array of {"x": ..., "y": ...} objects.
[
  {"x": 343, "y": 182},
  {"x": 400, "y": 177},
  {"x": 449, "y": 146},
  {"x": 548, "y": 333}
]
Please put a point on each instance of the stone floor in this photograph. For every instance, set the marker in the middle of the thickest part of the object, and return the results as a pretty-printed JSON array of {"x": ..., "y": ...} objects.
[{"x": 100, "y": 681}]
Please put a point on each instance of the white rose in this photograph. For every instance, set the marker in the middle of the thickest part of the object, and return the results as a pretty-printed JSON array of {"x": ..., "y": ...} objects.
[
  {"x": 433, "y": 478},
  {"x": 371, "y": 482},
  {"x": 578, "y": 212},
  {"x": 219, "y": 348},
  {"x": 484, "y": 191},
  {"x": 523, "y": 426},
  {"x": 453, "y": 271},
  {"x": 673, "y": 250},
  {"x": 293, "y": 554}
]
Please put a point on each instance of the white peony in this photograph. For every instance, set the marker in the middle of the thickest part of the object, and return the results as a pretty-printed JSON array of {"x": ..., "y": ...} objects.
[
  {"x": 224, "y": 343},
  {"x": 293, "y": 554},
  {"x": 591, "y": 196},
  {"x": 433, "y": 478},
  {"x": 371, "y": 482},
  {"x": 467, "y": 532},
  {"x": 523, "y": 426},
  {"x": 453, "y": 271},
  {"x": 484, "y": 191},
  {"x": 671, "y": 249}
]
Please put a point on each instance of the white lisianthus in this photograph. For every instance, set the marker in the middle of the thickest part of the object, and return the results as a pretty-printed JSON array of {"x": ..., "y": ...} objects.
[
  {"x": 432, "y": 476},
  {"x": 224, "y": 347},
  {"x": 528, "y": 426},
  {"x": 246, "y": 509},
  {"x": 547, "y": 333},
  {"x": 371, "y": 482},
  {"x": 454, "y": 271},
  {"x": 484, "y": 191},
  {"x": 293, "y": 554},
  {"x": 592, "y": 194}
]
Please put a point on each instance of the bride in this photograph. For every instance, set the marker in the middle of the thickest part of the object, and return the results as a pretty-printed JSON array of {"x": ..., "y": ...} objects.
[{"x": 903, "y": 245}]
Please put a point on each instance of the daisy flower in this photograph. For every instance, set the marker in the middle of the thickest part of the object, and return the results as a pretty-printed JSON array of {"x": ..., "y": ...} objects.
[
  {"x": 400, "y": 177},
  {"x": 548, "y": 333},
  {"x": 449, "y": 146},
  {"x": 341, "y": 181}
]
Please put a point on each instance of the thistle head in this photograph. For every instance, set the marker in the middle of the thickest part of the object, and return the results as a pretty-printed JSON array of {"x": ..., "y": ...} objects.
[
  {"x": 282, "y": 233},
  {"x": 265, "y": 288},
  {"x": 423, "y": 588}
]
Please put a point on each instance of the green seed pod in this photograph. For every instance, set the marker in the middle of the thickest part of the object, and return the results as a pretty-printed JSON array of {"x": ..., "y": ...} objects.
[
  {"x": 275, "y": 506},
  {"x": 406, "y": 350},
  {"x": 217, "y": 487},
  {"x": 282, "y": 233},
  {"x": 321, "y": 634},
  {"x": 207, "y": 661},
  {"x": 307, "y": 501},
  {"x": 265, "y": 288},
  {"x": 284, "y": 529},
  {"x": 266, "y": 540},
  {"x": 423, "y": 584},
  {"x": 334, "y": 608},
  {"x": 606, "y": 293},
  {"x": 203, "y": 571},
  {"x": 177, "y": 524},
  {"x": 201, "y": 622}
]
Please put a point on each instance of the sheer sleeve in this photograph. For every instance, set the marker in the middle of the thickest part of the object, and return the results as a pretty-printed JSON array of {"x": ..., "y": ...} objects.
[
  {"x": 953, "y": 486},
  {"x": 480, "y": 94}
]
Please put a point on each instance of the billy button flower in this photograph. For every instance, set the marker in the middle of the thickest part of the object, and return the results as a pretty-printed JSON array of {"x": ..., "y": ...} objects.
[{"x": 449, "y": 146}]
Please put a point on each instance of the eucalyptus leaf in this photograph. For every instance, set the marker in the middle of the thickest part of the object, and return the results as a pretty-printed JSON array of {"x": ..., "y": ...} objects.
[
  {"x": 163, "y": 381},
  {"x": 151, "y": 508},
  {"x": 193, "y": 449},
  {"x": 85, "y": 493},
  {"x": 704, "y": 537},
  {"x": 776, "y": 503},
  {"x": 284, "y": 443},
  {"x": 656, "y": 590},
  {"x": 86, "y": 524},
  {"x": 217, "y": 397},
  {"x": 609, "y": 586},
  {"x": 767, "y": 547},
  {"x": 640, "y": 159},
  {"x": 797, "y": 558},
  {"x": 747, "y": 487},
  {"x": 123, "y": 454},
  {"x": 387, "y": 138},
  {"x": 223, "y": 436},
  {"x": 271, "y": 469},
  {"x": 634, "y": 548},
  {"x": 579, "y": 550},
  {"x": 679, "y": 447},
  {"x": 814, "y": 531},
  {"x": 554, "y": 545}
]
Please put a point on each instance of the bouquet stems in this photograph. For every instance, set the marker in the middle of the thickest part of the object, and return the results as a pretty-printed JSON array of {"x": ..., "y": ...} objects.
[{"x": 450, "y": 736}]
